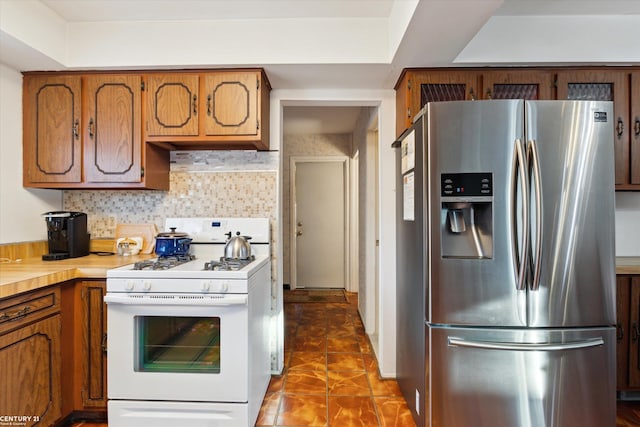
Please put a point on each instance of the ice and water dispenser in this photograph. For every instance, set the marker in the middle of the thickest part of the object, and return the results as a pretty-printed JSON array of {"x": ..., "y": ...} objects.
[{"x": 466, "y": 220}]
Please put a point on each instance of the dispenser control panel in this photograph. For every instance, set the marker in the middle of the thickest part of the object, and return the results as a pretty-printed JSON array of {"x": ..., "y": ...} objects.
[{"x": 466, "y": 184}]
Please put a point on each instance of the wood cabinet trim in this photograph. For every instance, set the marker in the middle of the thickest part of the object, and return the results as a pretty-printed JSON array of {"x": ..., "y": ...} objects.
[
  {"x": 16, "y": 312},
  {"x": 112, "y": 160},
  {"x": 46, "y": 333},
  {"x": 52, "y": 133},
  {"x": 626, "y": 98},
  {"x": 634, "y": 343}
]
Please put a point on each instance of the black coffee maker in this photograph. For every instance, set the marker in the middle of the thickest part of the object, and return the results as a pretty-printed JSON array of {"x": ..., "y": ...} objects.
[{"x": 67, "y": 234}]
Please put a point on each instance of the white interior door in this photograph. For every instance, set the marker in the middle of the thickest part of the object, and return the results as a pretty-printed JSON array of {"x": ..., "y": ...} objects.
[{"x": 320, "y": 224}]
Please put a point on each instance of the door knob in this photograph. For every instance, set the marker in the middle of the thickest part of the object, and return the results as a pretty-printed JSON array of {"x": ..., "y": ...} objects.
[{"x": 298, "y": 233}]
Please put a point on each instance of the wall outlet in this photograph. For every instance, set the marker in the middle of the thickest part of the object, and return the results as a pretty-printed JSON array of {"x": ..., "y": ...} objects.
[{"x": 112, "y": 221}]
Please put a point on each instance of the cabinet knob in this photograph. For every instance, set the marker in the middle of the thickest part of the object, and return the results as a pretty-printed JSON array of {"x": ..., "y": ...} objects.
[
  {"x": 620, "y": 127},
  {"x": 620, "y": 334},
  {"x": 91, "y": 128},
  {"x": 636, "y": 127},
  {"x": 76, "y": 125},
  {"x": 195, "y": 105}
]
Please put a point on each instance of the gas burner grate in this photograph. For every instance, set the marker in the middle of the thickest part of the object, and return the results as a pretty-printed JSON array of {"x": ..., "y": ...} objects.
[
  {"x": 163, "y": 263},
  {"x": 227, "y": 264}
]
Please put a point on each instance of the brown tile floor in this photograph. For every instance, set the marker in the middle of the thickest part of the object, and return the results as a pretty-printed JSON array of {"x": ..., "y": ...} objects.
[{"x": 331, "y": 374}]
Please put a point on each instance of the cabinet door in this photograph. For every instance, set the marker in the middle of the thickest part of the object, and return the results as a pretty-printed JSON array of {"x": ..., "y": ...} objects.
[
  {"x": 94, "y": 352},
  {"x": 417, "y": 87},
  {"x": 604, "y": 86},
  {"x": 635, "y": 136},
  {"x": 231, "y": 103},
  {"x": 622, "y": 331},
  {"x": 52, "y": 147},
  {"x": 521, "y": 84},
  {"x": 172, "y": 104},
  {"x": 112, "y": 137},
  {"x": 30, "y": 379},
  {"x": 634, "y": 345}
]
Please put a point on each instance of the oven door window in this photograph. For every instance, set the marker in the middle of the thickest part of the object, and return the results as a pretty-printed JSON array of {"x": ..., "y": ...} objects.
[{"x": 178, "y": 344}]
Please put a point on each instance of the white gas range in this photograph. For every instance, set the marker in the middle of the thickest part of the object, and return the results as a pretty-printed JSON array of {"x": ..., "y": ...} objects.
[{"x": 189, "y": 345}]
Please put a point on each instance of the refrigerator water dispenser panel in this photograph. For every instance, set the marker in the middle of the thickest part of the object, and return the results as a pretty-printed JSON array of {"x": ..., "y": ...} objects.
[{"x": 466, "y": 224}]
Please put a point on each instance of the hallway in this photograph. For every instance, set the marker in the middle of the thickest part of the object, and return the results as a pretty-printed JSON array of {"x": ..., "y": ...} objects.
[{"x": 331, "y": 375}]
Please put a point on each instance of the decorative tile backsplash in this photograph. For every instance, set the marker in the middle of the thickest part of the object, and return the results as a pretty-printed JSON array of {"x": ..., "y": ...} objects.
[
  {"x": 202, "y": 183},
  {"x": 217, "y": 161}
]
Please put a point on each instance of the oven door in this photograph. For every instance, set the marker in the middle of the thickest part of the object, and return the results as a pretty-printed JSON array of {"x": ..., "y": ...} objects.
[{"x": 189, "y": 347}]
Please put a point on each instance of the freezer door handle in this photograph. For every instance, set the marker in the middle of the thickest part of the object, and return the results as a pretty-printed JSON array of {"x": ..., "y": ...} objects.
[
  {"x": 519, "y": 254},
  {"x": 510, "y": 346},
  {"x": 534, "y": 163}
]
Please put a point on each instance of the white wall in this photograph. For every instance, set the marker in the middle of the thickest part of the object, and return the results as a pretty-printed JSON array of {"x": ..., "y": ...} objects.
[
  {"x": 628, "y": 224},
  {"x": 385, "y": 101},
  {"x": 20, "y": 209}
]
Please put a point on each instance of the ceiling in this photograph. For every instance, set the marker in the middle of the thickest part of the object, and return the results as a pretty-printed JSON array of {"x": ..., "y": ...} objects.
[
  {"x": 171, "y": 10},
  {"x": 317, "y": 44}
]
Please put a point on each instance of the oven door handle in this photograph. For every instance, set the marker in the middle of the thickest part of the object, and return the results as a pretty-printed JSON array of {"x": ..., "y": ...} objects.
[{"x": 180, "y": 300}]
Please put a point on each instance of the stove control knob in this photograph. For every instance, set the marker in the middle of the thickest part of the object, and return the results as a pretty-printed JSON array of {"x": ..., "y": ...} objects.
[
  {"x": 224, "y": 287},
  {"x": 129, "y": 285},
  {"x": 206, "y": 286},
  {"x": 146, "y": 285}
]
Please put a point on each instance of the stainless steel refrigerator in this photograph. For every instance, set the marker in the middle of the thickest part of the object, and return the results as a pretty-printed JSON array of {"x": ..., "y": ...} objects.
[{"x": 505, "y": 260}]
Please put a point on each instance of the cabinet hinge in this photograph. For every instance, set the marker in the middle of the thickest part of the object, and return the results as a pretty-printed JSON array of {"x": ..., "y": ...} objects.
[
  {"x": 257, "y": 124},
  {"x": 142, "y": 85},
  {"x": 258, "y": 84},
  {"x": 555, "y": 83},
  {"x": 141, "y": 172},
  {"x": 409, "y": 112},
  {"x": 408, "y": 84}
]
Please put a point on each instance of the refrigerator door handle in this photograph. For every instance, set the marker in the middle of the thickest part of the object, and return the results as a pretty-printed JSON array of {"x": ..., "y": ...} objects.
[
  {"x": 519, "y": 254},
  {"x": 534, "y": 162},
  {"x": 509, "y": 346}
]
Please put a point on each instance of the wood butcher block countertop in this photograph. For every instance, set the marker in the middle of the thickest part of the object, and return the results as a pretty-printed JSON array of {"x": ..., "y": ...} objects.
[
  {"x": 628, "y": 265},
  {"x": 34, "y": 273}
]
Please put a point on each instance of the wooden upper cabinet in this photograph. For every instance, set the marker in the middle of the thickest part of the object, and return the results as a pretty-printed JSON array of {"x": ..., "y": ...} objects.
[
  {"x": 51, "y": 129},
  {"x": 232, "y": 104},
  {"x": 517, "y": 84},
  {"x": 599, "y": 85},
  {"x": 172, "y": 104},
  {"x": 85, "y": 131},
  {"x": 112, "y": 135},
  {"x": 218, "y": 109},
  {"x": 417, "y": 87},
  {"x": 635, "y": 131}
]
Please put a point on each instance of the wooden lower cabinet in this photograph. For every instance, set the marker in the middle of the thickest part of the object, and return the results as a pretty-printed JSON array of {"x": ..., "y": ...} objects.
[
  {"x": 634, "y": 345},
  {"x": 91, "y": 337},
  {"x": 30, "y": 358},
  {"x": 628, "y": 334}
]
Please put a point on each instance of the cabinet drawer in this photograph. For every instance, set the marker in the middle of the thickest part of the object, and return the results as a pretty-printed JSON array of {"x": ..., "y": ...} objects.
[{"x": 23, "y": 309}]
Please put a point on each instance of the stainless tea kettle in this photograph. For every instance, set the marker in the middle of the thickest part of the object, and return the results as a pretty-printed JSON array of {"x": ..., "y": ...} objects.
[{"x": 237, "y": 247}]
